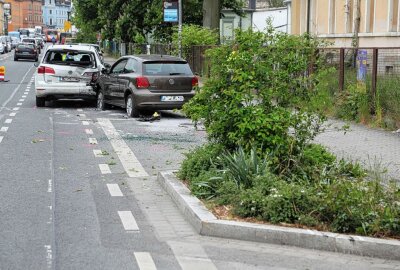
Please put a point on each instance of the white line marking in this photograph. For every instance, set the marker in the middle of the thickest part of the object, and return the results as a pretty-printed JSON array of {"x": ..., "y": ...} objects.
[
  {"x": 49, "y": 256},
  {"x": 19, "y": 104},
  {"x": 8, "y": 121},
  {"x": 1, "y": 138},
  {"x": 13, "y": 114},
  {"x": 92, "y": 140},
  {"x": 4, "y": 129},
  {"x": 98, "y": 153},
  {"x": 85, "y": 123},
  {"x": 82, "y": 115},
  {"x": 145, "y": 261},
  {"x": 24, "y": 96},
  {"x": 128, "y": 221},
  {"x": 79, "y": 110},
  {"x": 26, "y": 93},
  {"x": 191, "y": 256},
  {"x": 21, "y": 100},
  {"x": 114, "y": 190},
  {"x": 50, "y": 186},
  {"x": 104, "y": 168},
  {"x": 128, "y": 159},
  {"x": 16, "y": 109},
  {"x": 89, "y": 131}
]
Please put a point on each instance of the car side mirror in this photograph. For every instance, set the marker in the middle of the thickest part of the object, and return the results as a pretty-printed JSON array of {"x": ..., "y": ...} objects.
[
  {"x": 107, "y": 65},
  {"x": 36, "y": 64}
]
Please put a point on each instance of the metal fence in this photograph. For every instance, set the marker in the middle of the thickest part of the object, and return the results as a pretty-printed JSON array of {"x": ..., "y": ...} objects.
[{"x": 195, "y": 55}]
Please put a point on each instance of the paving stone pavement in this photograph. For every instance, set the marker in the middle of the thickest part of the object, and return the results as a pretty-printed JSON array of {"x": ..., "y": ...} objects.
[{"x": 374, "y": 148}]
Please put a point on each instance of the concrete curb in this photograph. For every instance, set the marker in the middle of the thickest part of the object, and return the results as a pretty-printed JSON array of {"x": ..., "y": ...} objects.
[{"x": 207, "y": 224}]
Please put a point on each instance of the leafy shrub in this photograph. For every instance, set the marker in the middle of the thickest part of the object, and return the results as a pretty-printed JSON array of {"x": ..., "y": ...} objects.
[
  {"x": 255, "y": 90},
  {"x": 198, "y": 161},
  {"x": 243, "y": 167},
  {"x": 194, "y": 35}
]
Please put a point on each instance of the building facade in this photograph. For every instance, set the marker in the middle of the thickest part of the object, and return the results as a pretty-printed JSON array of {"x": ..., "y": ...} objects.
[
  {"x": 256, "y": 14},
  {"x": 2, "y": 19},
  {"x": 25, "y": 14},
  {"x": 55, "y": 13},
  {"x": 335, "y": 21}
]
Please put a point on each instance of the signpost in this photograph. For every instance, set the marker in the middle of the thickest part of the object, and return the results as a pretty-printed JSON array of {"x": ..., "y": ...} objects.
[
  {"x": 172, "y": 10},
  {"x": 7, "y": 16}
]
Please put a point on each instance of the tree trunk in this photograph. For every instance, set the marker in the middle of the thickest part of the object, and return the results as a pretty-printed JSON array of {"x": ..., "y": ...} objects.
[{"x": 211, "y": 13}]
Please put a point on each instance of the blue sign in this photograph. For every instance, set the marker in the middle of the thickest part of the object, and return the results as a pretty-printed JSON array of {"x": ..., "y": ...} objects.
[
  {"x": 171, "y": 8},
  {"x": 362, "y": 65}
]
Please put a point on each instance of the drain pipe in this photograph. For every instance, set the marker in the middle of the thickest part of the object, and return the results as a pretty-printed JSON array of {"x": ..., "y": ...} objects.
[{"x": 308, "y": 15}]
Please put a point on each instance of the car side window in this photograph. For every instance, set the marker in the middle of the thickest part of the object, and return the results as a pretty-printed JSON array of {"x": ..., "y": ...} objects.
[
  {"x": 119, "y": 67},
  {"x": 131, "y": 66}
]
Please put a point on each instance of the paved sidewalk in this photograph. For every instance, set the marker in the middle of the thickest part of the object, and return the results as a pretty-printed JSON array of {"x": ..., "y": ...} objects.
[{"x": 371, "y": 147}]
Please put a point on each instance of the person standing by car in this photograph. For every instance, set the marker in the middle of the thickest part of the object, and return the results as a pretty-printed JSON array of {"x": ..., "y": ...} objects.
[{"x": 53, "y": 40}]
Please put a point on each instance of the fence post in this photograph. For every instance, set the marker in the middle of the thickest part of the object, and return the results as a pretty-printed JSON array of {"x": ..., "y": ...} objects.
[
  {"x": 341, "y": 70},
  {"x": 374, "y": 76}
]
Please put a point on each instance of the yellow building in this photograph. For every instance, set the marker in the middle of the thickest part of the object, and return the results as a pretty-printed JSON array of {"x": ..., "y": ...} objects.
[
  {"x": 1, "y": 17},
  {"x": 335, "y": 21}
]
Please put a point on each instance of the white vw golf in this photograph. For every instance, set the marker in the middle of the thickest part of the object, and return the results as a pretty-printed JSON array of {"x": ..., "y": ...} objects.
[{"x": 67, "y": 72}]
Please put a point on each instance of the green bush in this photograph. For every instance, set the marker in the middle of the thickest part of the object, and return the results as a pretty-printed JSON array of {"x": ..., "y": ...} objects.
[
  {"x": 255, "y": 91},
  {"x": 198, "y": 161}
]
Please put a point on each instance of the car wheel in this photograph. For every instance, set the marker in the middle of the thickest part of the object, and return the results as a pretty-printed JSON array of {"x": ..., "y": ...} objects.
[
  {"x": 15, "y": 59},
  {"x": 131, "y": 109},
  {"x": 36, "y": 59},
  {"x": 40, "y": 101},
  {"x": 101, "y": 105}
]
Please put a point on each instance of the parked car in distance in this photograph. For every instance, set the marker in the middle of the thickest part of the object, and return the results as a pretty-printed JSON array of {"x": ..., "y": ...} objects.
[
  {"x": 146, "y": 83},
  {"x": 2, "y": 48},
  {"x": 33, "y": 41},
  {"x": 6, "y": 42},
  {"x": 26, "y": 51},
  {"x": 67, "y": 72},
  {"x": 14, "y": 42},
  {"x": 40, "y": 41}
]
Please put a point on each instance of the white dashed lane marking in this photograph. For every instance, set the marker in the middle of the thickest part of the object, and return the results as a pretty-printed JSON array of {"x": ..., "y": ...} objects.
[
  {"x": 104, "y": 168},
  {"x": 13, "y": 114},
  {"x": 19, "y": 104},
  {"x": 89, "y": 131},
  {"x": 128, "y": 159},
  {"x": 145, "y": 261},
  {"x": 1, "y": 138},
  {"x": 16, "y": 109},
  {"x": 85, "y": 123},
  {"x": 4, "y": 129},
  {"x": 8, "y": 121},
  {"x": 79, "y": 110},
  {"x": 93, "y": 141},
  {"x": 128, "y": 221},
  {"x": 114, "y": 190},
  {"x": 98, "y": 153}
]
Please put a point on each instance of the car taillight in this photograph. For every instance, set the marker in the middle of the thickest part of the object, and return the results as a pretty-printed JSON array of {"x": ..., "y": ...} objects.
[
  {"x": 195, "y": 81},
  {"x": 16, "y": 50},
  {"x": 142, "y": 82},
  {"x": 45, "y": 70}
]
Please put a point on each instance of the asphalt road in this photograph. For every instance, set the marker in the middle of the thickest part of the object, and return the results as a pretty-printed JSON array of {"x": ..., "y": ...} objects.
[{"x": 78, "y": 190}]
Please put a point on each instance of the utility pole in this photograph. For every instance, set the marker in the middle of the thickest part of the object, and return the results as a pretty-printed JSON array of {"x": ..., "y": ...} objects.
[{"x": 180, "y": 27}]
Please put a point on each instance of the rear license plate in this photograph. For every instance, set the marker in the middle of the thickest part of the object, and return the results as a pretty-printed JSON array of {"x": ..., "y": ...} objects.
[
  {"x": 172, "y": 98},
  {"x": 25, "y": 52},
  {"x": 68, "y": 79}
]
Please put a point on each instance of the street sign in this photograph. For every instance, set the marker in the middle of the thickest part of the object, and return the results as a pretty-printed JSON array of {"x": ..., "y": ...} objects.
[
  {"x": 67, "y": 26},
  {"x": 362, "y": 65},
  {"x": 171, "y": 11}
]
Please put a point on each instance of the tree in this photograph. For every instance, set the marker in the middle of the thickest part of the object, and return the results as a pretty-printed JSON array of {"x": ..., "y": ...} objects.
[
  {"x": 212, "y": 11},
  {"x": 275, "y": 3}
]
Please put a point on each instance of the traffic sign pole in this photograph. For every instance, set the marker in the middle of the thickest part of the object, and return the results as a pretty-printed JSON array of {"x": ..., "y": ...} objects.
[{"x": 180, "y": 28}]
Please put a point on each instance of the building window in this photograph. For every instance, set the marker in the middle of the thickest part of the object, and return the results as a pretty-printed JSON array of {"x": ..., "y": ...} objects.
[
  {"x": 369, "y": 15},
  {"x": 393, "y": 15},
  {"x": 332, "y": 16}
]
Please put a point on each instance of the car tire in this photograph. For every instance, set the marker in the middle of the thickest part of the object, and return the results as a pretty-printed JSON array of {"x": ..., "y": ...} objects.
[
  {"x": 36, "y": 59},
  {"x": 101, "y": 104},
  {"x": 131, "y": 109},
  {"x": 40, "y": 101},
  {"x": 15, "y": 59}
]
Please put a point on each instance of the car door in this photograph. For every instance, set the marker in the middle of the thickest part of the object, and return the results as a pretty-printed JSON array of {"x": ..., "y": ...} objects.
[
  {"x": 112, "y": 83},
  {"x": 125, "y": 78}
]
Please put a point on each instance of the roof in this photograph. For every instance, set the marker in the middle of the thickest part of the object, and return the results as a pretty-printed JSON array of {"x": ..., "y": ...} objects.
[
  {"x": 73, "y": 47},
  {"x": 157, "y": 57}
]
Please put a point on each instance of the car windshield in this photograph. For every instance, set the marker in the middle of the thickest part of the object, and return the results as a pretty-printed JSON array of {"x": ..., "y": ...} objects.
[
  {"x": 71, "y": 58},
  {"x": 26, "y": 40},
  {"x": 166, "y": 68}
]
